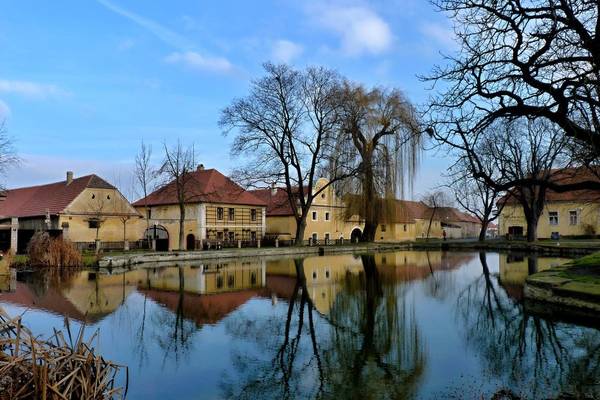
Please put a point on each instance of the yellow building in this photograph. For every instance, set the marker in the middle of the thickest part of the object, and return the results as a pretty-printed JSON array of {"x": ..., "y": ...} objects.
[
  {"x": 325, "y": 220},
  {"x": 409, "y": 220},
  {"x": 574, "y": 213},
  {"x": 217, "y": 211},
  {"x": 82, "y": 209}
]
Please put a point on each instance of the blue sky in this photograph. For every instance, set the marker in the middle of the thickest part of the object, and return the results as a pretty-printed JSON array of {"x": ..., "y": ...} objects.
[{"x": 82, "y": 82}]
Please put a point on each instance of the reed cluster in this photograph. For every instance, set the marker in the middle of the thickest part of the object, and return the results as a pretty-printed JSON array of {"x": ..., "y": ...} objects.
[{"x": 46, "y": 251}]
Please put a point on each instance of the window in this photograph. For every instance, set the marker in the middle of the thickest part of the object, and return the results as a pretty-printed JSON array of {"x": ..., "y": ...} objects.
[
  {"x": 220, "y": 213},
  {"x": 326, "y": 216},
  {"x": 93, "y": 224},
  {"x": 219, "y": 281},
  {"x": 327, "y": 273},
  {"x": 314, "y": 275},
  {"x": 230, "y": 281},
  {"x": 327, "y": 236},
  {"x": 253, "y": 236},
  {"x": 404, "y": 227},
  {"x": 253, "y": 214},
  {"x": 314, "y": 215},
  {"x": 231, "y": 214},
  {"x": 315, "y": 237},
  {"x": 219, "y": 235},
  {"x": 253, "y": 278},
  {"x": 553, "y": 217},
  {"x": 149, "y": 213},
  {"x": 573, "y": 217},
  {"x": 383, "y": 228},
  {"x": 231, "y": 236}
]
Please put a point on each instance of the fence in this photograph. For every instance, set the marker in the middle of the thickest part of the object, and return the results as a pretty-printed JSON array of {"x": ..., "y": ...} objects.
[{"x": 112, "y": 246}]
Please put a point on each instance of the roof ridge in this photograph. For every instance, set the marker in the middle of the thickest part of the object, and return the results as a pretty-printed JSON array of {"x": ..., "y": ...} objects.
[{"x": 50, "y": 184}]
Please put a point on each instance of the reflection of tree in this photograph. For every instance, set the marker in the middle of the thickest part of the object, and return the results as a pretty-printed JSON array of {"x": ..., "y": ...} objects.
[
  {"x": 368, "y": 345},
  {"x": 172, "y": 331},
  {"x": 546, "y": 357}
]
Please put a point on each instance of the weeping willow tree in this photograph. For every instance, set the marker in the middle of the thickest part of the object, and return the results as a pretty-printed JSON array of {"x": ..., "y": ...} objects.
[{"x": 380, "y": 134}]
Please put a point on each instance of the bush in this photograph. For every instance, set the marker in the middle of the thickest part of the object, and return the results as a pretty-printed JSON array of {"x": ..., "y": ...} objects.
[{"x": 45, "y": 251}]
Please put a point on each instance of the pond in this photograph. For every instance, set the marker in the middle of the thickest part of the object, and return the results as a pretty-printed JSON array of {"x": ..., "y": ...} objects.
[{"x": 397, "y": 325}]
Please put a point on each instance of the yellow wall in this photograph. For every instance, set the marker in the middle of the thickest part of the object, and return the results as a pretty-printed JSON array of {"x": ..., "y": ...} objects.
[
  {"x": 107, "y": 205},
  {"x": 512, "y": 215}
]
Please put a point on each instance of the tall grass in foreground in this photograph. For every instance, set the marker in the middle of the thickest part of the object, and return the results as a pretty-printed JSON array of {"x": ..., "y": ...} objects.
[{"x": 45, "y": 251}]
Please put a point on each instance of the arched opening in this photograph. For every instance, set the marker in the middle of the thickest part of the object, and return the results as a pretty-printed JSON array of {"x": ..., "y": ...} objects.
[
  {"x": 160, "y": 234},
  {"x": 190, "y": 242},
  {"x": 355, "y": 235}
]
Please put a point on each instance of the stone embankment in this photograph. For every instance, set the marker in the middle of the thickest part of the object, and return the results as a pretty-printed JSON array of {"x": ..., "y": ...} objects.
[{"x": 126, "y": 260}]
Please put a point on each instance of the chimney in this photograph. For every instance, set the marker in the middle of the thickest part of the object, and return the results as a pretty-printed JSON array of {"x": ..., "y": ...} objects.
[
  {"x": 273, "y": 189},
  {"x": 69, "y": 177},
  {"x": 200, "y": 167}
]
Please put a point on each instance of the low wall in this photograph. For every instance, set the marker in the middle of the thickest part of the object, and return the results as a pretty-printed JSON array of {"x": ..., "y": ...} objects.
[{"x": 185, "y": 256}]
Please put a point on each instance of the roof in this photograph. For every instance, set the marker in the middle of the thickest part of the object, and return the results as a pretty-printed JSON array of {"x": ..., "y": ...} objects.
[
  {"x": 567, "y": 176},
  {"x": 205, "y": 186},
  {"x": 406, "y": 211},
  {"x": 454, "y": 215},
  {"x": 51, "y": 198},
  {"x": 278, "y": 204}
]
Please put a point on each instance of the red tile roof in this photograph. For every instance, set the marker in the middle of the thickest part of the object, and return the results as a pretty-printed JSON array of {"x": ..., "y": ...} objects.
[
  {"x": 407, "y": 211},
  {"x": 52, "y": 198},
  {"x": 567, "y": 176},
  {"x": 278, "y": 204},
  {"x": 206, "y": 186}
]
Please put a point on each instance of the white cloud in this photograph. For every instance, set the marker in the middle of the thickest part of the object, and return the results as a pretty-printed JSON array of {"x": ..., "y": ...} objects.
[
  {"x": 30, "y": 89},
  {"x": 4, "y": 111},
  {"x": 441, "y": 34},
  {"x": 360, "y": 29},
  {"x": 197, "y": 61},
  {"x": 286, "y": 51}
]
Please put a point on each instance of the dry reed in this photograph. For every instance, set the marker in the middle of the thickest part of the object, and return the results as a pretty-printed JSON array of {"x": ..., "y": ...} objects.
[
  {"x": 52, "y": 252},
  {"x": 56, "y": 368}
]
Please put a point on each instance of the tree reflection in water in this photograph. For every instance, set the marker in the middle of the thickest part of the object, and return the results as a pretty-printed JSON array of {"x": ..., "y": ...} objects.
[
  {"x": 546, "y": 357},
  {"x": 367, "y": 346}
]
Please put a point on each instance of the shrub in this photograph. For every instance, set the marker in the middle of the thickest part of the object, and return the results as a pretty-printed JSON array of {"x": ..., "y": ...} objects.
[
  {"x": 589, "y": 229},
  {"x": 52, "y": 252}
]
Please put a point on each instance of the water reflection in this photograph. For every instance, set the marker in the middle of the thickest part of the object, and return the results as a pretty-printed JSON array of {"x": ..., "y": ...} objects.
[{"x": 386, "y": 325}]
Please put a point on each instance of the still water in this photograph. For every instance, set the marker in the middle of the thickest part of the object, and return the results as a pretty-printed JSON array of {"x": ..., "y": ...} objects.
[{"x": 422, "y": 325}]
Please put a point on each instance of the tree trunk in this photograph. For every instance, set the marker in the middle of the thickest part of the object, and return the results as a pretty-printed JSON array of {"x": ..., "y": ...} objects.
[
  {"x": 483, "y": 231},
  {"x": 181, "y": 226},
  {"x": 300, "y": 228},
  {"x": 430, "y": 221},
  {"x": 369, "y": 200},
  {"x": 532, "y": 223}
]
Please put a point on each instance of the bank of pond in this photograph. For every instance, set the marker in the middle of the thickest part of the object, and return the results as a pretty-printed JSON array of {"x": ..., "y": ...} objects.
[{"x": 401, "y": 324}]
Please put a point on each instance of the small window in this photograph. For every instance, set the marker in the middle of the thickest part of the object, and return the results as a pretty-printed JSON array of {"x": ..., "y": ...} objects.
[
  {"x": 253, "y": 214},
  {"x": 219, "y": 281},
  {"x": 383, "y": 228},
  {"x": 230, "y": 281},
  {"x": 93, "y": 224},
  {"x": 404, "y": 227},
  {"x": 231, "y": 214},
  {"x": 326, "y": 216},
  {"x": 327, "y": 274},
  {"x": 327, "y": 236},
  {"x": 108, "y": 197},
  {"x": 253, "y": 236},
  {"x": 573, "y": 217},
  {"x": 314, "y": 215},
  {"x": 219, "y": 235},
  {"x": 93, "y": 196},
  {"x": 253, "y": 278},
  {"x": 553, "y": 217},
  {"x": 220, "y": 213},
  {"x": 315, "y": 237},
  {"x": 314, "y": 275},
  {"x": 231, "y": 236},
  {"x": 149, "y": 213}
]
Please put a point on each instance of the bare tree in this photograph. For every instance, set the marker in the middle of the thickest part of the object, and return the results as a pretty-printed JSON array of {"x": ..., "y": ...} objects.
[
  {"x": 435, "y": 200},
  {"x": 287, "y": 128},
  {"x": 145, "y": 176},
  {"x": 475, "y": 196},
  {"x": 381, "y": 137},
  {"x": 176, "y": 172},
  {"x": 8, "y": 156},
  {"x": 521, "y": 58}
]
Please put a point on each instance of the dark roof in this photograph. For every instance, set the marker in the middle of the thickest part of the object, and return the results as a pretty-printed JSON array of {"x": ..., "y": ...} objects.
[
  {"x": 567, "y": 176},
  {"x": 278, "y": 204},
  {"x": 205, "y": 186},
  {"x": 52, "y": 198}
]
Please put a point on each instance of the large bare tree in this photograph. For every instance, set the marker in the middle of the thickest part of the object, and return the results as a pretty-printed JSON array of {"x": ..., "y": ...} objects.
[
  {"x": 176, "y": 173},
  {"x": 286, "y": 128},
  {"x": 521, "y": 58},
  {"x": 145, "y": 175},
  {"x": 380, "y": 137}
]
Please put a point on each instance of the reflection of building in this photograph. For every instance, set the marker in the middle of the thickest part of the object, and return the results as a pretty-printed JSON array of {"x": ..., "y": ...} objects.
[
  {"x": 76, "y": 208},
  {"x": 217, "y": 209},
  {"x": 206, "y": 291},
  {"x": 515, "y": 268}
]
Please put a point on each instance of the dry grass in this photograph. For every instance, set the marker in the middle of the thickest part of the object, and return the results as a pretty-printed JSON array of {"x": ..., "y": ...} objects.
[
  {"x": 45, "y": 251},
  {"x": 53, "y": 369}
]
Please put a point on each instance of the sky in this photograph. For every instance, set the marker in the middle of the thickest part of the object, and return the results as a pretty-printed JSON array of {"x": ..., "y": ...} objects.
[{"x": 83, "y": 82}]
